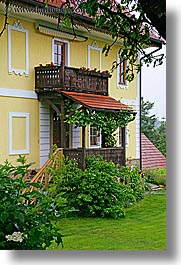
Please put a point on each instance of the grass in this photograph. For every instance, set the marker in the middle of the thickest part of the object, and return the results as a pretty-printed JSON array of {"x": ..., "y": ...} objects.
[{"x": 143, "y": 228}]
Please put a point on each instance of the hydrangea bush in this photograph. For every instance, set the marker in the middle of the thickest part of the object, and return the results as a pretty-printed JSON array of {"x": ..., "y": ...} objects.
[{"x": 23, "y": 224}]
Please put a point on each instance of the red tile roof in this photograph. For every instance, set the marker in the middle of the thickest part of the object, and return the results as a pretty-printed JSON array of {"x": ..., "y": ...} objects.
[
  {"x": 151, "y": 156},
  {"x": 95, "y": 101},
  {"x": 74, "y": 3}
]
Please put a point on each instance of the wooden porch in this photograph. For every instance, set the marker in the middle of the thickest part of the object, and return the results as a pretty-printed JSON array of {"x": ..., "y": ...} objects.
[
  {"x": 53, "y": 82},
  {"x": 114, "y": 154}
]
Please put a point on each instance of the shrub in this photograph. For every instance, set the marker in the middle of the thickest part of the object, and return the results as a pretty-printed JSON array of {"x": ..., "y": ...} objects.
[
  {"x": 156, "y": 176},
  {"x": 134, "y": 182},
  {"x": 96, "y": 191},
  {"x": 24, "y": 225}
]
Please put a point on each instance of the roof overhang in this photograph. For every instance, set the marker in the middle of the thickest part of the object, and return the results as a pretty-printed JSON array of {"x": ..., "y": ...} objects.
[{"x": 96, "y": 102}]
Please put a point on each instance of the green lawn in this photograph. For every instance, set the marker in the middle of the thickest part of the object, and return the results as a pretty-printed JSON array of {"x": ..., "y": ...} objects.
[{"x": 143, "y": 228}]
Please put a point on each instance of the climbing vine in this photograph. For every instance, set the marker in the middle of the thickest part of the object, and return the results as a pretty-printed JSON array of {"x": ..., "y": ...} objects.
[{"x": 107, "y": 121}]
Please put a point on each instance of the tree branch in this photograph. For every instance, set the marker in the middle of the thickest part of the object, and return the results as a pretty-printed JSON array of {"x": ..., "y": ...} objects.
[{"x": 5, "y": 18}]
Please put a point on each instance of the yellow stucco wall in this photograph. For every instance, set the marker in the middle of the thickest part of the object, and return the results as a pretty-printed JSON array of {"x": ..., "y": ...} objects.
[
  {"x": 40, "y": 51},
  {"x": 9, "y": 105}
]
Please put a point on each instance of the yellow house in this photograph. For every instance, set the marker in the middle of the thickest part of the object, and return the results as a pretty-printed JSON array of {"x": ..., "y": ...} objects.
[{"x": 39, "y": 67}]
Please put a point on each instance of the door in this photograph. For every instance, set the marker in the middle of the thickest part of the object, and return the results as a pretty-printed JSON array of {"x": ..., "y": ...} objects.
[
  {"x": 56, "y": 129},
  {"x": 61, "y": 132}
]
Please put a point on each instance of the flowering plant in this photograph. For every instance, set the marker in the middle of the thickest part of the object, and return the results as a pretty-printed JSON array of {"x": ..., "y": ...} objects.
[{"x": 24, "y": 225}]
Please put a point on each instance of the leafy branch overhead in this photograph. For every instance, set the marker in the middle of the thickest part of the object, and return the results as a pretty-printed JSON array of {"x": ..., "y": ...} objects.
[{"x": 127, "y": 22}]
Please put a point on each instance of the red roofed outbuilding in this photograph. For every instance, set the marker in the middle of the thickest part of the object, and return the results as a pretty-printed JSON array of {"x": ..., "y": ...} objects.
[{"x": 151, "y": 156}]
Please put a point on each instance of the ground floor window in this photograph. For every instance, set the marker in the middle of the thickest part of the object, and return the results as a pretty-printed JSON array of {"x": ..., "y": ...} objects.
[
  {"x": 95, "y": 137},
  {"x": 121, "y": 138}
]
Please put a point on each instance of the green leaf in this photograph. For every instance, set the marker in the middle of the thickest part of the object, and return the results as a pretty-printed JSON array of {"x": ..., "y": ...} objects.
[
  {"x": 4, "y": 216},
  {"x": 36, "y": 185}
]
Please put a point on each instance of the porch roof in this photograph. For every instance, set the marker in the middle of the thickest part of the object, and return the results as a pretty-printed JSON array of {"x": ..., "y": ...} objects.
[{"x": 98, "y": 102}]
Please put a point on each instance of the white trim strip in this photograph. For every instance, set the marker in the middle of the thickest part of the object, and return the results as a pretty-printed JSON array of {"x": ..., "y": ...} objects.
[{"x": 18, "y": 93}]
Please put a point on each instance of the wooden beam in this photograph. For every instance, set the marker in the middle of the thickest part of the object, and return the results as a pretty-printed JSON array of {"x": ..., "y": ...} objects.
[{"x": 53, "y": 106}]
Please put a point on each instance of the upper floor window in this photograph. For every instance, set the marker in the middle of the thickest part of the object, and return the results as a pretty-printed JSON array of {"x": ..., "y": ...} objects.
[
  {"x": 121, "y": 72},
  {"x": 59, "y": 52}
]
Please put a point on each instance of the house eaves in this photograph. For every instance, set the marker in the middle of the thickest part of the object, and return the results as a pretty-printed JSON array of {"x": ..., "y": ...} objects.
[{"x": 81, "y": 21}]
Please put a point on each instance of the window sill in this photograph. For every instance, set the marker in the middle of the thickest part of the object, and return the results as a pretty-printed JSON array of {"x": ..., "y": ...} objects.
[{"x": 122, "y": 86}]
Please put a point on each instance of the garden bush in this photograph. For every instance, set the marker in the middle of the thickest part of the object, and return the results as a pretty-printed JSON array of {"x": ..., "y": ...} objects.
[
  {"x": 24, "y": 225},
  {"x": 96, "y": 191},
  {"x": 134, "y": 182},
  {"x": 156, "y": 176}
]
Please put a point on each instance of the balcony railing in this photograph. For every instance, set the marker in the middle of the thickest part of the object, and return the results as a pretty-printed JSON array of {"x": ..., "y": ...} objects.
[
  {"x": 114, "y": 154},
  {"x": 52, "y": 78}
]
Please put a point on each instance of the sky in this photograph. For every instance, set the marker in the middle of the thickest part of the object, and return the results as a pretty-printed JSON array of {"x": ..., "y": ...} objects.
[{"x": 154, "y": 87}]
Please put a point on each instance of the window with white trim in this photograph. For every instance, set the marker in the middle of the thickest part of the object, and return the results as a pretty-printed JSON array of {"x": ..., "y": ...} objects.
[
  {"x": 94, "y": 137},
  {"x": 121, "y": 137},
  {"x": 60, "y": 52},
  {"x": 121, "y": 72}
]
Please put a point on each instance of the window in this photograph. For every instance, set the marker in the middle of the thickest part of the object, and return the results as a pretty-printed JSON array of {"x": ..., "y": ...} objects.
[
  {"x": 59, "y": 52},
  {"x": 95, "y": 137},
  {"x": 121, "y": 138},
  {"x": 121, "y": 72}
]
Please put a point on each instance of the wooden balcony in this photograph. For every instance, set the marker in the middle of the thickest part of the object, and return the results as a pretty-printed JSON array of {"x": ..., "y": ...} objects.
[
  {"x": 53, "y": 78},
  {"x": 114, "y": 154}
]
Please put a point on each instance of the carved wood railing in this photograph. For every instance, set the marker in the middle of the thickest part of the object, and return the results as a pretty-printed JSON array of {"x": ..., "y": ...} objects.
[
  {"x": 114, "y": 154},
  {"x": 52, "y": 78}
]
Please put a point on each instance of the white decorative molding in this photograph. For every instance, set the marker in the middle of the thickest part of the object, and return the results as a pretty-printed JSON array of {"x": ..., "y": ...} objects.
[
  {"x": 18, "y": 93},
  {"x": 18, "y": 27},
  {"x": 27, "y": 148},
  {"x": 95, "y": 47},
  {"x": 17, "y": 24}
]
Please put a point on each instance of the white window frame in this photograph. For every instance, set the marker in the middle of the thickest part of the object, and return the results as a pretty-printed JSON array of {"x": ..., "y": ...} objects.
[
  {"x": 18, "y": 27},
  {"x": 27, "y": 148},
  {"x": 118, "y": 74},
  {"x": 67, "y": 54},
  {"x": 95, "y": 47},
  {"x": 95, "y": 146}
]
